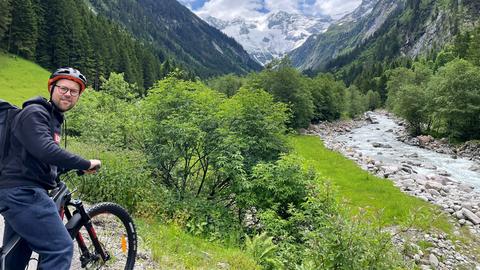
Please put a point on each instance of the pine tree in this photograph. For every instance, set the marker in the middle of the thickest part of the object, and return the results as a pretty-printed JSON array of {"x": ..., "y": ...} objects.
[
  {"x": 5, "y": 16},
  {"x": 473, "y": 52},
  {"x": 23, "y": 32}
]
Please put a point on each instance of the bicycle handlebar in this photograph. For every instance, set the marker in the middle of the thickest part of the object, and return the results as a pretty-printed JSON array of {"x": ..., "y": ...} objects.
[
  {"x": 78, "y": 172},
  {"x": 96, "y": 168}
]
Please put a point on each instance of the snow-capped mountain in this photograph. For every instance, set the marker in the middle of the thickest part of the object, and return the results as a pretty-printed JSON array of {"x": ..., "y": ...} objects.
[{"x": 273, "y": 35}]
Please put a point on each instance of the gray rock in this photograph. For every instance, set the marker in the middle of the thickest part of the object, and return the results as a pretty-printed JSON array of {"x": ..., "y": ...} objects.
[
  {"x": 459, "y": 214},
  {"x": 414, "y": 155},
  {"x": 433, "y": 185},
  {"x": 433, "y": 261},
  {"x": 465, "y": 188},
  {"x": 433, "y": 192},
  {"x": 443, "y": 173},
  {"x": 475, "y": 168},
  {"x": 440, "y": 179},
  {"x": 471, "y": 216},
  {"x": 467, "y": 205},
  {"x": 376, "y": 144},
  {"x": 429, "y": 166}
]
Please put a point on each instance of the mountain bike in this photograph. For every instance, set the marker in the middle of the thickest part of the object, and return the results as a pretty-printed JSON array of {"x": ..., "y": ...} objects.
[{"x": 105, "y": 234}]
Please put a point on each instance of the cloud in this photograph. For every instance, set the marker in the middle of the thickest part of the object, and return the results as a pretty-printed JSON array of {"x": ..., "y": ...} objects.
[
  {"x": 284, "y": 5},
  {"x": 335, "y": 7},
  {"x": 229, "y": 9}
]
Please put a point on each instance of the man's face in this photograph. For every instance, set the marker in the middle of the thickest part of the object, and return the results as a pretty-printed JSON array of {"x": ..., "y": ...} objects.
[{"x": 66, "y": 94}]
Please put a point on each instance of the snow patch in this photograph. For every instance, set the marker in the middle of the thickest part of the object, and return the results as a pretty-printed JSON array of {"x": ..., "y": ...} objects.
[{"x": 217, "y": 47}]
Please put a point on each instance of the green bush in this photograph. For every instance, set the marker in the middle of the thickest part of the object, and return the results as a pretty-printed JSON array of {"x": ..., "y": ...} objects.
[
  {"x": 278, "y": 186},
  {"x": 203, "y": 218},
  {"x": 124, "y": 178},
  {"x": 319, "y": 234},
  {"x": 456, "y": 99}
]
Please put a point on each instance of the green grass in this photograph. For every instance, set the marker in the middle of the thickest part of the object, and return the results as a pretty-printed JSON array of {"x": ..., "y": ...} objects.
[
  {"x": 172, "y": 248},
  {"x": 363, "y": 190},
  {"x": 21, "y": 79}
]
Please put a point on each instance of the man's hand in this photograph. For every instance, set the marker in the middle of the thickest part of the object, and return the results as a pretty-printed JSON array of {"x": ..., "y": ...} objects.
[{"x": 95, "y": 165}]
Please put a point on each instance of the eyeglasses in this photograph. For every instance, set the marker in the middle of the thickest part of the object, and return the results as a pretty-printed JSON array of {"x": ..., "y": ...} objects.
[{"x": 64, "y": 90}]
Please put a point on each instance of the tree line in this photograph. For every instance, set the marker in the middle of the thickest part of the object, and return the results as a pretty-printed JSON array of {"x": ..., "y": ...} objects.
[
  {"x": 437, "y": 93},
  {"x": 310, "y": 100},
  {"x": 57, "y": 33}
]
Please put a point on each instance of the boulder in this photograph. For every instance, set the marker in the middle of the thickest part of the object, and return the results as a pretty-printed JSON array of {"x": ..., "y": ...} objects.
[
  {"x": 465, "y": 188},
  {"x": 424, "y": 140},
  {"x": 459, "y": 214},
  {"x": 433, "y": 261},
  {"x": 377, "y": 145},
  {"x": 429, "y": 166},
  {"x": 475, "y": 168},
  {"x": 413, "y": 155},
  {"x": 440, "y": 179},
  {"x": 433, "y": 185},
  {"x": 471, "y": 216},
  {"x": 443, "y": 173}
]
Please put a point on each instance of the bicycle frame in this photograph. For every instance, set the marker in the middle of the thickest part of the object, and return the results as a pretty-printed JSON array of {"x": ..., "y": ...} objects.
[{"x": 62, "y": 197}]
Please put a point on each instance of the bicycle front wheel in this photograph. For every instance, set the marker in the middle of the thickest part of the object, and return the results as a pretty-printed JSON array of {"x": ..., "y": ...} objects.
[{"x": 116, "y": 235}]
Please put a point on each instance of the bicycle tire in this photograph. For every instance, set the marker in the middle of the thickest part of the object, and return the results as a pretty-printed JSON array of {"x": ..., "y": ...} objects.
[{"x": 117, "y": 235}]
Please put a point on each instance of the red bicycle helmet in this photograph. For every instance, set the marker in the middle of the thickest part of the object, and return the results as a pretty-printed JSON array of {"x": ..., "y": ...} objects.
[{"x": 69, "y": 74}]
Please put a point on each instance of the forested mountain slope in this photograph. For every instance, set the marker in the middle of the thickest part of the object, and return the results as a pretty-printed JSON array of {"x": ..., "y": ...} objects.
[
  {"x": 173, "y": 28},
  {"x": 393, "y": 28},
  {"x": 155, "y": 39}
]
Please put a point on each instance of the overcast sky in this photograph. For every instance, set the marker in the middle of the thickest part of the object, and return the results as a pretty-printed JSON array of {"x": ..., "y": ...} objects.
[{"x": 228, "y": 9}]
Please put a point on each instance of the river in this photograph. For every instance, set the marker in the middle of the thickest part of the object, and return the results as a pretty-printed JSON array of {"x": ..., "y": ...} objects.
[{"x": 393, "y": 152}]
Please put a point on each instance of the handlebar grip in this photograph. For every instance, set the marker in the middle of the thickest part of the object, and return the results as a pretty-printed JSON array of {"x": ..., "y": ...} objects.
[{"x": 96, "y": 168}]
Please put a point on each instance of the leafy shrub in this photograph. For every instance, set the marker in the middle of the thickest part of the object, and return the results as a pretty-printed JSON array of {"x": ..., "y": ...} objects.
[
  {"x": 317, "y": 235},
  {"x": 102, "y": 118},
  {"x": 262, "y": 249},
  {"x": 456, "y": 99},
  {"x": 287, "y": 85},
  {"x": 203, "y": 218},
  {"x": 124, "y": 178},
  {"x": 257, "y": 124},
  {"x": 328, "y": 97},
  {"x": 277, "y": 186},
  {"x": 188, "y": 144}
]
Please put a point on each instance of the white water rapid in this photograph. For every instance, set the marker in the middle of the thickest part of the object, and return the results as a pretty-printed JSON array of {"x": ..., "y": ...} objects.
[{"x": 379, "y": 142}]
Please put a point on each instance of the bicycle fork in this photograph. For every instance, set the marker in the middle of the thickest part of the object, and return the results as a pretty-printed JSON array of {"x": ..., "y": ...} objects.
[{"x": 80, "y": 218}]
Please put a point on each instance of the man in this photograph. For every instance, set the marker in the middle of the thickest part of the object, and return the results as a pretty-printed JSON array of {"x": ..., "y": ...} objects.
[{"x": 30, "y": 170}]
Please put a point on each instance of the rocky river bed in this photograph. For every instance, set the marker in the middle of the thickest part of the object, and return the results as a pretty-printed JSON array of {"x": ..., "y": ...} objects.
[{"x": 433, "y": 170}]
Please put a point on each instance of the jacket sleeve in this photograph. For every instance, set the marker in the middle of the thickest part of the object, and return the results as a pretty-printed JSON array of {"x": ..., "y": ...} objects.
[{"x": 34, "y": 133}]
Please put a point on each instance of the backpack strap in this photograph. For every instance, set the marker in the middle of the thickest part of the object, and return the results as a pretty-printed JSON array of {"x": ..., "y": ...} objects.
[{"x": 10, "y": 112}]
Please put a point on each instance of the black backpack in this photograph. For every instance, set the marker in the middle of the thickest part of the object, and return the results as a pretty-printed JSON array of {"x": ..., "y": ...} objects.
[{"x": 7, "y": 113}]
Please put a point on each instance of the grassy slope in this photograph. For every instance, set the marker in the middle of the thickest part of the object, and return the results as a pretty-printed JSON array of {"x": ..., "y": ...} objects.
[
  {"x": 363, "y": 190},
  {"x": 21, "y": 79},
  {"x": 172, "y": 248}
]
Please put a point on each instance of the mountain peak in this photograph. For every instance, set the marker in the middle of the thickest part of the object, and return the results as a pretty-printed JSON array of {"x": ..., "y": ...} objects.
[{"x": 273, "y": 35}]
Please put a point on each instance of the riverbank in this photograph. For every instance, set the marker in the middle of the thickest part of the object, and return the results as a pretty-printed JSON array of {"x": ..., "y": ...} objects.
[{"x": 459, "y": 200}]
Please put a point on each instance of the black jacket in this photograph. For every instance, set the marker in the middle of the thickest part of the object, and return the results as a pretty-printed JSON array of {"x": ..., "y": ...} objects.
[{"x": 35, "y": 154}]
